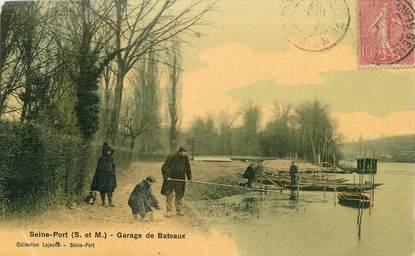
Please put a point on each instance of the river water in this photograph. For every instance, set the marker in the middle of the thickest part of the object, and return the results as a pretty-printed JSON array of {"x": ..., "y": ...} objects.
[{"x": 272, "y": 224}]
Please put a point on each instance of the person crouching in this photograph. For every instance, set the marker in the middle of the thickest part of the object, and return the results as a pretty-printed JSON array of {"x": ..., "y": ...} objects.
[{"x": 142, "y": 199}]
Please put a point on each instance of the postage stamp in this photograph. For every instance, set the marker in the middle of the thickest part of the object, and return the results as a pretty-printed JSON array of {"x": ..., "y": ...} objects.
[{"x": 386, "y": 31}]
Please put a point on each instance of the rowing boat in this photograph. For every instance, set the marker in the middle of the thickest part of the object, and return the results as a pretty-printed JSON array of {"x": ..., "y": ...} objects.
[{"x": 354, "y": 199}]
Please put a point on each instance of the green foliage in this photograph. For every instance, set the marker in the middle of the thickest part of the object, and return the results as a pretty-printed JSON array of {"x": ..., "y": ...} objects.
[
  {"x": 39, "y": 168},
  {"x": 248, "y": 140},
  {"x": 307, "y": 132},
  {"x": 278, "y": 138},
  {"x": 87, "y": 104},
  {"x": 204, "y": 133},
  {"x": 317, "y": 131}
]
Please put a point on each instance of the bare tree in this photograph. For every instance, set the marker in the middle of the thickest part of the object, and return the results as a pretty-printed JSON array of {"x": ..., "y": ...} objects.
[
  {"x": 147, "y": 26},
  {"x": 130, "y": 126},
  {"x": 11, "y": 70},
  {"x": 108, "y": 80},
  {"x": 35, "y": 48},
  {"x": 174, "y": 93},
  {"x": 145, "y": 80},
  {"x": 80, "y": 35}
]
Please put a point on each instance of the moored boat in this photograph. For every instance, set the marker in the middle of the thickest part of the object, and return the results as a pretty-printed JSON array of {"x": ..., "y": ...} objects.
[{"x": 354, "y": 199}]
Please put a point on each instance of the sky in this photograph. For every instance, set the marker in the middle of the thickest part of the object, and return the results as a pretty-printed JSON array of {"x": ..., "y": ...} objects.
[{"x": 244, "y": 56}]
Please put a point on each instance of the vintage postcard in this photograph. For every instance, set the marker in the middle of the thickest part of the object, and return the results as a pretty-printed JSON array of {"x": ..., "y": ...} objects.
[{"x": 203, "y": 127}]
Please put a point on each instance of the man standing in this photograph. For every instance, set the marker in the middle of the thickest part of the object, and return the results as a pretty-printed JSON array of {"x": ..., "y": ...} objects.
[
  {"x": 249, "y": 174},
  {"x": 176, "y": 166},
  {"x": 293, "y": 174}
]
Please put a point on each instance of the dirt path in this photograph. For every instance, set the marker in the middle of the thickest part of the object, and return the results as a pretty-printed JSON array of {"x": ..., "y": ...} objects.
[{"x": 119, "y": 225}]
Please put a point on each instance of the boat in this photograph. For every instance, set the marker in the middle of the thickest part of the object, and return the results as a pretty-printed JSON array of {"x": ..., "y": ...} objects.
[
  {"x": 354, "y": 199},
  {"x": 330, "y": 187}
]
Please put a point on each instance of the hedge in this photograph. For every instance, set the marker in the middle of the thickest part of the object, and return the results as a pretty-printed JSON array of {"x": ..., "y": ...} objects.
[{"x": 40, "y": 168}]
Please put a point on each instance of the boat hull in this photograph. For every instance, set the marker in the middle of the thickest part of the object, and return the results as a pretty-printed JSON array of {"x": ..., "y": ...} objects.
[{"x": 353, "y": 199}]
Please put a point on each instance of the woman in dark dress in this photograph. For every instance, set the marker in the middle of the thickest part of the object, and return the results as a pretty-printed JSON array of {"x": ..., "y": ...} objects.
[{"x": 104, "y": 179}]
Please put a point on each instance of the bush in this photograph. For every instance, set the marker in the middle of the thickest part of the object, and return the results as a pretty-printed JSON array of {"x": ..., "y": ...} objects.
[{"x": 39, "y": 168}]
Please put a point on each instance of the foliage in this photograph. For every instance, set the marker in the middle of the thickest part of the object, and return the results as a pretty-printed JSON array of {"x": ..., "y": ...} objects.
[
  {"x": 205, "y": 136},
  {"x": 39, "y": 168}
]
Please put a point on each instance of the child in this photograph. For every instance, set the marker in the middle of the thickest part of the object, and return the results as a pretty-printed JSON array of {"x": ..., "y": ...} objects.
[
  {"x": 142, "y": 199},
  {"x": 104, "y": 179}
]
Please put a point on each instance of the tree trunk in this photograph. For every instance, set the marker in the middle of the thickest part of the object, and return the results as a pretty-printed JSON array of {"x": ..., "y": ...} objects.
[
  {"x": 115, "y": 113},
  {"x": 173, "y": 137},
  {"x": 107, "y": 96},
  {"x": 132, "y": 142}
]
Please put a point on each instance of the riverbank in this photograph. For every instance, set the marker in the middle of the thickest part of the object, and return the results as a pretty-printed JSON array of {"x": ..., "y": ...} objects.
[
  {"x": 122, "y": 231},
  {"x": 223, "y": 221}
]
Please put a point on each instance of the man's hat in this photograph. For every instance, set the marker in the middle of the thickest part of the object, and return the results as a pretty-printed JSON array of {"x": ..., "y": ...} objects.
[{"x": 151, "y": 178}]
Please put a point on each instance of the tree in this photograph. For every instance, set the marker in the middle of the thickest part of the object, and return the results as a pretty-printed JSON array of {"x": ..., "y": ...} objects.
[
  {"x": 248, "y": 140},
  {"x": 173, "y": 93},
  {"x": 145, "y": 93},
  {"x": 83, "y": 43},
  {"x": 226, "y": 133},
  {"x": 130, "y": 125},
  {"x": 108, "y": 80},
  {"x": 27, "y": 47},
  {"x": 11, "y": 71},
  {"x": 148, "y": 100},
  {"x": 278, "y": 138},
  {"x": 147, "y": 27},
  {"x": 317, "y": 132},
  {"x": 205, "y": 136}
]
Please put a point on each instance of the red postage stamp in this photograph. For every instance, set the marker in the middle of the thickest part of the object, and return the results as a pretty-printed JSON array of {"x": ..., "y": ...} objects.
[{"x": 386, "y": 33}]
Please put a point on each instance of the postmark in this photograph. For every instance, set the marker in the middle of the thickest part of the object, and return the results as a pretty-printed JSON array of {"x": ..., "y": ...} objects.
[
  {"x": 317, "y": 25},
  {"x": 386, "y": 33}
]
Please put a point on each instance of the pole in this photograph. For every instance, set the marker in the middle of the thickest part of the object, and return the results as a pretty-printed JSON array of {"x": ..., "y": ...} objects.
[
  {"x": 334, "y": 176},
  {"x": 222, "y": 185},
  {"x": 361, "y": 203},
  {"x": 372, "y": 199},
  {"x": 268, "y": 179},
  {"x": 354, "y": 180}
]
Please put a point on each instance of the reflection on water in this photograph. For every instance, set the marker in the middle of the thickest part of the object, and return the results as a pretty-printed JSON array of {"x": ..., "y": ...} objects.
[
  {"x": 293, "y": 199},
  {"x": 310, "y": 223},
  {"x": 248, "y": 207}
]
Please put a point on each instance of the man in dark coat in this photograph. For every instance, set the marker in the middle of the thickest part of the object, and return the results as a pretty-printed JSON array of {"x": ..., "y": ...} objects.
[
  {"x": 249, "y": 174},
  {"x": 142, "y": 199},
  {"x": 176, "y": 166},
  {"x": 104, "y": 179},
  {"x": 293, "y": 174}
]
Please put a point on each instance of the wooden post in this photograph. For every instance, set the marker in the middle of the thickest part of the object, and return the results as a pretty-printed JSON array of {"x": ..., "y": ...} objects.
[
  {"x": 298, "y": 184},
  {"x": 193, "y": 148},
  {"x": 354, "y": 180},
  {"x": 334, "y": 176},
  {"x": 372, "y": 192}
]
